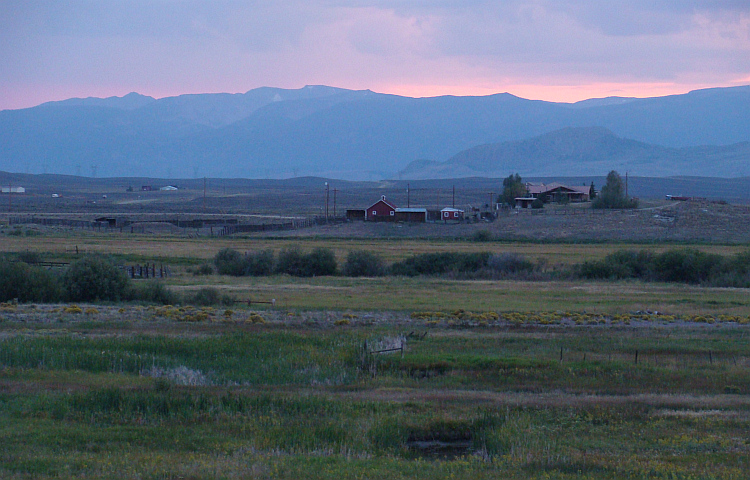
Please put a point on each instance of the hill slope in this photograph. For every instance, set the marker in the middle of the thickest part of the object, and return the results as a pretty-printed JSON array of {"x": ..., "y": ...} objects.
[{"x": 586, "y": 151}]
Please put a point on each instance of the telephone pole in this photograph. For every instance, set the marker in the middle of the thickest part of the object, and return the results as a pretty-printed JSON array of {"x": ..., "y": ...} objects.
[
  {"x": 334, "y": 203},
  {"x": 326, "y": 212}
]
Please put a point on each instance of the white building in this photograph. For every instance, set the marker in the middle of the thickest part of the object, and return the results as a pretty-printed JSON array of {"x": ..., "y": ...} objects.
[{"x": 11, "y": 189}]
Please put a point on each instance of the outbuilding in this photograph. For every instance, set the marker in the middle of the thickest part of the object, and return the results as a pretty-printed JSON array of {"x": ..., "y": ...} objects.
[
  {"x": 415, "y": 215},
  {"x": 381, "y": 211},
  {"x": 11, "y": 189},
  {"x": 451, "y": 214}
]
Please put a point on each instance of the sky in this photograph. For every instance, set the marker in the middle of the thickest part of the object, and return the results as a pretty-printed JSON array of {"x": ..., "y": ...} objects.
[{"x": 555, "y": 50}]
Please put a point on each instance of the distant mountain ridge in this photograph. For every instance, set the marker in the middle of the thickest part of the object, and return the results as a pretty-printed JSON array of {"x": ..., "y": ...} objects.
[
  {"x": 585, "y": 151},
  {"x": 361, "y": 135}
]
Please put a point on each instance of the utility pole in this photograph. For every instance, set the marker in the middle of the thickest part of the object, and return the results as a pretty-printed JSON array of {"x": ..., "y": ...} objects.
[
  {"x": 408, "y": 204},
  {"x": 326, "y": 213},
  {"x": 492, "y": 195},
  {"x": 204, "y": 194},
  {"x": 454, "y": 196},
  {"x": 626, "y": 184},
  {"x": 334, "y": 203}
]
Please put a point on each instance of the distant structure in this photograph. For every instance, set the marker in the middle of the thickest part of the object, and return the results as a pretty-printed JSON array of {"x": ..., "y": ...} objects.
[
  {"x": 553, "y": 192},
  {"x": 556, "y": 191},
  {"x": 11, "y": 189},
  {"x": 146, "y": 188},
  {"x": 168, "y": 188},
  {"x": 385, "y": 211},
  {"x": 381, "y": 211},
  {"x": 450, "y": 214}
]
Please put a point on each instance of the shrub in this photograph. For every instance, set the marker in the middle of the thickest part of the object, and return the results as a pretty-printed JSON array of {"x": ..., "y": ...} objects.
[
  {"x": 95, "y": 278},
  {"x": 153, "y": 291},
  {"x": 259, "y": 263},
  {"x": 508, "y": 264},
  {"x": 205, "y": 297},
  {"x": 29, "y": 257},
  {"x": 230, "y": 262},
  {"x": 204, "y": 269},
  {"x": 73, "y": 309},
  {"x": 290, "y": 262},
  {"x": 620, "y": 265},
  {"x": 28, "y": 284},
  {"x": 482, "y": 236},
  {"x": 687, "y": 265},
  {"x": 455, "y": 263},
  {"x": 209, "y": 296},
  {"x": 360, "y": 263},
  {"x": 320, "y": 261}
]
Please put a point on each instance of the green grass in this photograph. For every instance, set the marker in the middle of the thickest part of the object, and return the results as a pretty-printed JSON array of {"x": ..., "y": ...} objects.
[{"x": 420, "y": 294}]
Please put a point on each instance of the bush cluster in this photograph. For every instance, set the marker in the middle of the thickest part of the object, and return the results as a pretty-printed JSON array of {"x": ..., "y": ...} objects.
[
  {"x": 685, "y": 265},
  {"x": 28, "y": 284},
  {"x": 90, "y": 279},
  {"x": 453, "y": 263},
  {"x": 290, "y": 261},
  {"x": 361, "y": 263}
]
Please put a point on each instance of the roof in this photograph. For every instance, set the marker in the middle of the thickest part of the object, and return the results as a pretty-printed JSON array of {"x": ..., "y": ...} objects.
[
  {"x": 382, "y": 199},
  {"x": 412, "y": 210},
  {"x": 537, "y": 188},
  {"x": 450, "y": 209}
]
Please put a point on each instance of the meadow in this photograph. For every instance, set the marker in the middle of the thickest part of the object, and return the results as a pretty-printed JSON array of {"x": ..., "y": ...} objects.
[{"x": 377, "y": 377}]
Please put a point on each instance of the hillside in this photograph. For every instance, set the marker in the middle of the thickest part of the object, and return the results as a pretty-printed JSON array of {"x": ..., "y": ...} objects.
[
  {"x": 356, "y": 135},
  {"x": 585, "y": 151}
]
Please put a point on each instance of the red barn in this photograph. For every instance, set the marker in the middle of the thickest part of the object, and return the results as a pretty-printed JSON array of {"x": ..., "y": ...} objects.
[{"x": 381, "y": 211}]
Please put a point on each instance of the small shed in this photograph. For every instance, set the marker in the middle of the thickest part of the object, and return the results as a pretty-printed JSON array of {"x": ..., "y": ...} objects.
[
  {"x": 523, "y": 202},
  {"x": 451, "y": 214},
  {"x": 356, "y": 213},
  {"x": 415, "y": 215},
  {"x": 111, "y": 222},
  {"x": 381, "y": 211}
]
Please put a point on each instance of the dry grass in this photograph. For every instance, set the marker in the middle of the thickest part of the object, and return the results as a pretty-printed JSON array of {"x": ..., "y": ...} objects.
[{"x": 179, "y": 247}]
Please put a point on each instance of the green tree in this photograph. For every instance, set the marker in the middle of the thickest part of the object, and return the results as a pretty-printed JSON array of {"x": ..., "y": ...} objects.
[
  {"x": 592, "y": 191},
  {"x": 613, "y": 194},
  {"x": 95, "y": 279},
  {"x": 513, "y": 187}
]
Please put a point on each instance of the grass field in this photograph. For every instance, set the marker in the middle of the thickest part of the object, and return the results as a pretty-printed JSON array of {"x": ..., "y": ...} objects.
[
  {"x": 177, "y": 249},
  {"x": 386, "y": 377},
  {"x": 129, "y": 393}
]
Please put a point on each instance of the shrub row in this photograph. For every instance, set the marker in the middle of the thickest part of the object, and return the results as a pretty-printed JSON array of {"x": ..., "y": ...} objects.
[
  {"x": 90, "y": 279},
  {"x": 291, "y": 261},
  {"x": 360, "y": 263},
  {"x": 680, "y": 265}
]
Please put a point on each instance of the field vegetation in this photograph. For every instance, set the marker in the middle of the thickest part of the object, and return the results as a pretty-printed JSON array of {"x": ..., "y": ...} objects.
[{"x": 374, "y": 359}]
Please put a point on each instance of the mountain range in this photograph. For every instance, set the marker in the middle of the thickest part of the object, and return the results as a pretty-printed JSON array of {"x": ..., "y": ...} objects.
[{"x": 362, "y": 135}]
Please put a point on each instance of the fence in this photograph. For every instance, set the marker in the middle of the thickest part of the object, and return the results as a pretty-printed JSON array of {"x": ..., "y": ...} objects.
[
  {"x": 207, "y": 227},
  {"x": 146, "y": 271}
]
